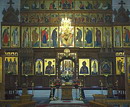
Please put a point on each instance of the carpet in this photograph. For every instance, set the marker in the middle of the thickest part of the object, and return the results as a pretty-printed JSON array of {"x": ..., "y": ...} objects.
[
  {"x": 66, "y": 102},
  {"x": 63, "y": 105}
]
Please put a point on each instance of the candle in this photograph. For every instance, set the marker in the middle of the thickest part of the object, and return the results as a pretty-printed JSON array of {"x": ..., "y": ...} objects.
[{"x": 32, "y": 84}]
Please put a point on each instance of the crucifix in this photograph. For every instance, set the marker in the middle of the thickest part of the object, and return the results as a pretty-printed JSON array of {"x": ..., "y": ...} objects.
[
  {"x": 122, "y": 3},
  {"x": 10, "y": 2}
]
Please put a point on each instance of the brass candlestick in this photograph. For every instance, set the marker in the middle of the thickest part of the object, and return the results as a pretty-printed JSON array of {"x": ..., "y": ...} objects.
[
  {"x": 52, "y": 96},
  {"x": 84, "y": 78},
  {"x": 101, "y": 85},
  {"x": 80, "y": 92}
]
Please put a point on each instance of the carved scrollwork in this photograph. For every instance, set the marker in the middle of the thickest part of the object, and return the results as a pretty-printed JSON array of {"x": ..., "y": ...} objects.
[
  {"x": 121, "y": 15},
  {"x": 10, "y": 15}
]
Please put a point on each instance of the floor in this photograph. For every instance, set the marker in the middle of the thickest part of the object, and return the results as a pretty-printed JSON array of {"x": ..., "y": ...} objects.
[{"x": 43, "y": 96}]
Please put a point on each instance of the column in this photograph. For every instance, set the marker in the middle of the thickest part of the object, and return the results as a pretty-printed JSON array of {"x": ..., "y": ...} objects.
[
  {"x": 127, "y": 74},
  {"x": 2, "y": 76}
]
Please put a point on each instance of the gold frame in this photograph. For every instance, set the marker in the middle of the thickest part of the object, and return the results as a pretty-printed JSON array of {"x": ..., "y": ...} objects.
[
  {"x": 119, "y": 37},
  {"x": 106, "y": 62},
  {"x": 36, "y": 69},
  {"x": 93, "y": 66},
  {"x": 38, "y": 32},
  {"x": 18, "y": 30},
  {"x": 93, "y": 37},
  {"x": 87, "y": 60},
  {"x": 43, "y": 45},
  {"x": 75, "y": 37},
  {"x": 27, "y": 64},
  {"x": 23, "y": 38},
  {"x": 53, "y": 63},
  {"x": 120, "y": 60},
  {"x": 9, "y": 37},
  {"x": 12, "y": 59},
  {"x": 124, "y": 36}
]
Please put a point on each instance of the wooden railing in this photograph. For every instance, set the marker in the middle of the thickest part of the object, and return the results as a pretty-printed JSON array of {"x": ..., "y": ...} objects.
[
  {"x": 16, "y": 103},
  {"x": 98, "y": 104},
  {"x": 109, "y": 103},
  {"x": 120, "y": 103},
  {"x": 26, "y": 104},
  {"x": 10, "y": 103}
]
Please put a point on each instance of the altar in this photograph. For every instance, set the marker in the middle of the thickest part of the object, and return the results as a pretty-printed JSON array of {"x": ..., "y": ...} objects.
[
  {"x": 67, "y": 72},
  {"x": 66, "y": 92}
]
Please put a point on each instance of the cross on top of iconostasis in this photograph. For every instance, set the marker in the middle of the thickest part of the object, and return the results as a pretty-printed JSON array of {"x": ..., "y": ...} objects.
[
  {"x": 122, "y": 3},
  {"x": 10, "y": 2}
]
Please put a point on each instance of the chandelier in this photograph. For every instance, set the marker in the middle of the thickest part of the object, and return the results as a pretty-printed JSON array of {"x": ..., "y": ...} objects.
[{"x": 65, "y": 26}]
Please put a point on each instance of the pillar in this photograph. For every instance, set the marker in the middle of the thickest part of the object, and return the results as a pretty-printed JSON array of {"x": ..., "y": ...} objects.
[
  {"x": 127, "y": 74},
  {"x": 2, "y": 76}
]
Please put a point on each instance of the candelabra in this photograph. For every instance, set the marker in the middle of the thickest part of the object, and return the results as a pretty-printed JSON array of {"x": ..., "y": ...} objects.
[
  {"x": 57, "y": 94},
  {"x": 57, "y": 73},
  {"x": 80, "y": 91},
  {"x": 76, "y": 92},
  {"x": 116, "y": 84},
  {"x": 84, "y": 78},
  {"x": 32, "y": 88},
  {"x": 57, "y": 86},
  {"x": 16, "y": 85},
  {"x": 51, "y": 94},
  {"x": 101, "y": 85}
]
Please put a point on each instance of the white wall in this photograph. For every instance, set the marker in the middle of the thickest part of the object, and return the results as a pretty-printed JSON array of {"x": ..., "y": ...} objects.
[{"x": 3, "y": 4}]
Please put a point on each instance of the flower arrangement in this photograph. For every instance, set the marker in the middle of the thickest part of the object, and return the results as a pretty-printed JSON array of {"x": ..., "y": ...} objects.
[
  {"x": 67, "y": 76},
  {"x": 57, "y": 82},
  {"x": 76, "y": 83},
  {"x": 51, "y": 83}
]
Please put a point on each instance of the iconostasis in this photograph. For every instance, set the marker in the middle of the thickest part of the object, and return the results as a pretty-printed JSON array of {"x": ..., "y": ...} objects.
[{"x": 43, "y": 28}]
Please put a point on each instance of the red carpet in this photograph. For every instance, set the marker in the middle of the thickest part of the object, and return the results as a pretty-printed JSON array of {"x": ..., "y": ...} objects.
[
  {"x": 66, "y": 101},
  {"x": 63, "y": 105}
]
